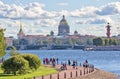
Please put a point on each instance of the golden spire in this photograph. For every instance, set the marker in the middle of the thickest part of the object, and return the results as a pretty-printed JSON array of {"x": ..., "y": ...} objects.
[
  {"x": 21, "y": 31},
  {"x": 63, "y": 16},
  {"x": 20, "y": 25},
  {"x": 63, "y": 21}
]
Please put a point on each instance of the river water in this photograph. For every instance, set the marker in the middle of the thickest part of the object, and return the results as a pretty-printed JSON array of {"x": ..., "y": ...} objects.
[{"x": 105, "y": 60}]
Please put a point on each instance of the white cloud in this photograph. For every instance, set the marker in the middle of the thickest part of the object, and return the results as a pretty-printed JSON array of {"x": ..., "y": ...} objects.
[
  {"x": 31, "y": 11},
  {"x": 63, "y": 4},
  {"x": 91, "y": 11},
  {"x": 97, "y": 20},
  {"x": 46, "y": 23},
  {"x": 36, "y": 10},
  {"x": 109, "y": 9},
  {"x": 84, "y": 12}
]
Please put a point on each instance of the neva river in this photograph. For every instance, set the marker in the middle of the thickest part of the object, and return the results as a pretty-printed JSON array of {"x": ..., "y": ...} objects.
[{"x": 105, "y": 60}]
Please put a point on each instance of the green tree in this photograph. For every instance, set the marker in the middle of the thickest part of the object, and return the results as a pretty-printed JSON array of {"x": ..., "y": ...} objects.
[
  {"x": 80, "y": 42},
  {"x": 34, "y": 61},
  {"x": 110, "y": 41},
  {"x": 2, "y": 43},
  {"x": 45, "y": 42},
  {"x": 98, "y": 42},
  {"x": 56, "y": 41},
  {"x": 118, "y": 41},
  {"x": 15, "y": 42},
  {"x": 15, "y": 65},
  {"x": 89, "y": 41},
  {"x": 23, "y": 42},
  {"x": 70, "y": 42},
  {"x": 115, "y": 42},
  {"x": 106, "y": 41}
]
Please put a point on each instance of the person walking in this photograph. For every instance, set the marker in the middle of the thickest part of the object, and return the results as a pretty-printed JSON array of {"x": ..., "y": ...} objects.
[{"x": 69, "y": 62}]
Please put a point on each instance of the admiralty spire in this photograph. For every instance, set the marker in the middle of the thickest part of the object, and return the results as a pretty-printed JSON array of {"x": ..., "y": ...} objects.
[
  {"x": 63, "y": 28},
  {"x": 20, "y": 33}
]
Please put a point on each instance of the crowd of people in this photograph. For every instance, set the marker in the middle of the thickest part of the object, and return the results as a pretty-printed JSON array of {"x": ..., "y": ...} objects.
[{"x": 54, "y": 61}]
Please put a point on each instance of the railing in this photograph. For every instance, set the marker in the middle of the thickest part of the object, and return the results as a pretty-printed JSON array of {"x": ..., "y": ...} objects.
[{"x": 65, "y": 74}]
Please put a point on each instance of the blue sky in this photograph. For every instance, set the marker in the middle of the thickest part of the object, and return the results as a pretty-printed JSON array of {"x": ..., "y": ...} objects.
[{"x": 41, "y": 16}]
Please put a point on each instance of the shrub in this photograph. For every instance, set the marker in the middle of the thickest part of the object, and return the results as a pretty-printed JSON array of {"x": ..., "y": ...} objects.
[
  {"x": 34, "y": 61},
  {"x": 15, "y": 65}
]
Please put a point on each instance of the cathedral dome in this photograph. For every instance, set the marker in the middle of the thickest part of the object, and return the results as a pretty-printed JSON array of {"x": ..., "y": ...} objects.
[
  {"x": 63, "y": 28},
  {"x": 75, "y": 32}
]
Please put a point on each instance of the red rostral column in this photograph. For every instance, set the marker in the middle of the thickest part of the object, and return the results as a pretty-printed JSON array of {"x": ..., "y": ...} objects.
[{"x": 108, "y": 30}]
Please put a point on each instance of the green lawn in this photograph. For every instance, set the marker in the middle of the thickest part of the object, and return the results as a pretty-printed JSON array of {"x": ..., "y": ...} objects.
[{"x": 41, "y": 71}]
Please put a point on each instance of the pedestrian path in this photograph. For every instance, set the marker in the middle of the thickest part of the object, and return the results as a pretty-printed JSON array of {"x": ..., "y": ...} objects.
[{"x": 69, "y": 73}]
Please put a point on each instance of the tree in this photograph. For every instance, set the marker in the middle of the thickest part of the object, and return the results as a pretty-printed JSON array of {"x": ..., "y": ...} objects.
[
  {"x": 34, "y": 61},
  {"x": 15, "y": 42},
  {"x": 118, "y": 41},
  {"x": 15, "y": 65},
  {"x": 80, "y": 42},
  {"x": 98, "y": 42},
  {"x": 2, "y": 44},
  {"x": 89, "y": 41},
  {"x": 110, "y": 41},
  {"x": 45, "y": 42},
  {"x": 106, "y": 41},
  {"x": 70, "y": 42},
  {"x": 115, "y": 42},
  {"x": 23, "y": 42}
]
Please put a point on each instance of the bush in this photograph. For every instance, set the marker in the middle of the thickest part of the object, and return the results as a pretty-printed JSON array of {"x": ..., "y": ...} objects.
[
  {"x": 34, "y": 61},
  {"x": 15, "y": 65}
]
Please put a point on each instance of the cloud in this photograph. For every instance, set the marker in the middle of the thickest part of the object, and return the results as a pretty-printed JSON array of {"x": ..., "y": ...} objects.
[
  {"x": 62, "y": 4},
  {"x": 35, "y": 10},
  {"x": 31, "y": 11},
  {"x": 109, "y": 9},
  {"x": 91, "y": 11},
  {"x": 97, "y": 0},
  {"x": 97, "y": 20},
  {"x": 84, "y": 12},
  {"x": 46, "y": 23}
]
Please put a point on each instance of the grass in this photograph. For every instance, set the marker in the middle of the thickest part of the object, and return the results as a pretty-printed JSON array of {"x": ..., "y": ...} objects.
[{"x": 41, "y": 71}]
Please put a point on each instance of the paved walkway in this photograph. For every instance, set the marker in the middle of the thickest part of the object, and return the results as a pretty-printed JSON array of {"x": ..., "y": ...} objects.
[{"x": 69, "y": 73}]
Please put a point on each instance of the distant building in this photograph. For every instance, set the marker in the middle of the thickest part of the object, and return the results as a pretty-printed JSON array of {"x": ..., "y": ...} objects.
[
  {"x": 63, "y": 38},
  {"x": 75, "y": 32},
  {"x": 20, "y": 34},
  {"x": 9, "y": 41},
  {"x": 25, "y": 40},
  {"x": 51, "y": 33},
  {"x": 63, "y": 28}
]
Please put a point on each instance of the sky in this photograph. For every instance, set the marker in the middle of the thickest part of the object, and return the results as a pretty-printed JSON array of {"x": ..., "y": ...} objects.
[{"x": 88, "y": 17}]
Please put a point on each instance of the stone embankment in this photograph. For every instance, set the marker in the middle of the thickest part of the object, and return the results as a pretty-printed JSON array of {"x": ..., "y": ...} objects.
[
  {"x": 98, "y": 74},
  {"x": 79, "y": 73},
  {"x": 106, "y": 48}
]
